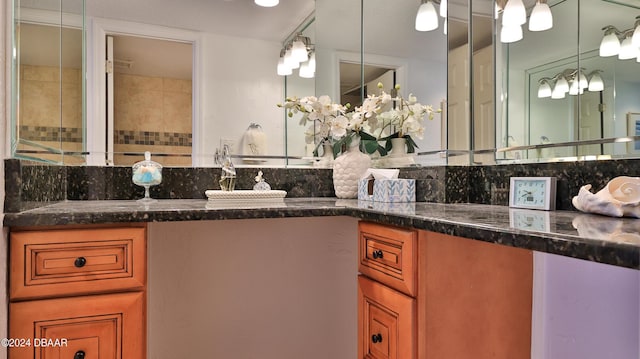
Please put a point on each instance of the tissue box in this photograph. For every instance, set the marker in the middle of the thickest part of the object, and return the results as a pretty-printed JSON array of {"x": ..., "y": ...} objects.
[{"x": 387, "y": 190}]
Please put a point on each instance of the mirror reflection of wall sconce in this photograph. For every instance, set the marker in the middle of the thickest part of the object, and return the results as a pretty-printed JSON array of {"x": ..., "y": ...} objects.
[
  {"x": 514, "y": 15},
  {"x": 298, "y": 53},
  {"x": 267, "y": 3},
  {"x": 629, "y": 48},
  {"x": 427, "y": 17},
  {"x": 571, "y": 81}
]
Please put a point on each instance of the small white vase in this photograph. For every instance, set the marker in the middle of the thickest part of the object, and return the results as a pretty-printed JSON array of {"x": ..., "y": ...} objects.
[
  {"x": 347, "y": 170},
  {"x": 398, "y": 147},
  {"x": 398, "y": 157},
  {"x": 326, "y": 161}
]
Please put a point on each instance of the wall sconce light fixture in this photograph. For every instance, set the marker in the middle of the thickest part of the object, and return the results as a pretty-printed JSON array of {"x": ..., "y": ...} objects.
[
  {"x": 629, "y": 48},
  {"x": 297, "y": 53},
  {"x": 514, "y": 15},
  {"x": 571, "y": 81}
]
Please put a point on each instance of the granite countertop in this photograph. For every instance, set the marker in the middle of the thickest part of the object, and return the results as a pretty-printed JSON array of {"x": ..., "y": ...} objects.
[{"x": 596, "y": 238}]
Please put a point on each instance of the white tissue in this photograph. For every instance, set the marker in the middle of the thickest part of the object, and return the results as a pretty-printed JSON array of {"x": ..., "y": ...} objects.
[{"x": 377, "y": 173}]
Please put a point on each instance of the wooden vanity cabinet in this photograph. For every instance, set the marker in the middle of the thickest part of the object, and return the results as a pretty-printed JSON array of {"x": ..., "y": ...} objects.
[
  {"x": 78, "y": 293},
  {"x": 471, "y": 299}
]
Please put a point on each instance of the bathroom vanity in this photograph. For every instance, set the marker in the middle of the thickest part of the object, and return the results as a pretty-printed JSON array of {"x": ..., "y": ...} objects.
[{"x": 280, "y": 276}]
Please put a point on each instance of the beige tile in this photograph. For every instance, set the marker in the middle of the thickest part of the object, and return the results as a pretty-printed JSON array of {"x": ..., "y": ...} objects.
[
  {"x": 177, "y": 112},
  {"x": 177, "y": 85},
  {"x": 40, "y": 73}
]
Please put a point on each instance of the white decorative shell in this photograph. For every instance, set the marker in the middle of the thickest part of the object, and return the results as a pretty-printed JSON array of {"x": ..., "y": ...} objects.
[{"x": 619, "y": 198}]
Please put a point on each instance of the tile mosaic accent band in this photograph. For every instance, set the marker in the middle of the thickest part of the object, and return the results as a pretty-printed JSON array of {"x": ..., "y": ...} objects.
[
  {"x": 51, "y": 134},
  {"x": 123, "y": 137}
]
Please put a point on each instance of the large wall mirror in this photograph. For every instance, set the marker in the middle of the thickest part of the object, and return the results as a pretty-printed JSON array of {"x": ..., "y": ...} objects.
[
  {"x": 47, "y": 81},
  {"x": 563, "y": 98}
]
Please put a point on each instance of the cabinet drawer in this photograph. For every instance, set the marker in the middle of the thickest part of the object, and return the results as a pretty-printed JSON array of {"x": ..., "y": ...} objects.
[
  {"x": 388, "y": 255},
  {"x": 79, "y": 261},
  {"x": 386, "y": 324},
  {"x": 104, "y": 326}
]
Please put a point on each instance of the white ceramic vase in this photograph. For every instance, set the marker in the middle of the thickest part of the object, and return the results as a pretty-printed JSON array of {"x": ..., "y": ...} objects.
[
  {"x": 347, "y": 170},
  {"x": 398, "y": 147},
  {"x": 326, "y": 161}
]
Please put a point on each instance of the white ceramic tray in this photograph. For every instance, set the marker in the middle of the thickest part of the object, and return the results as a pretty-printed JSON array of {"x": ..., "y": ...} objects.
[{"x": 244, "y": 195}]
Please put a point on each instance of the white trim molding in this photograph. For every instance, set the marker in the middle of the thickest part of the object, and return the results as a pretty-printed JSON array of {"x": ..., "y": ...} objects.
[{"x": 97, "y": 29}]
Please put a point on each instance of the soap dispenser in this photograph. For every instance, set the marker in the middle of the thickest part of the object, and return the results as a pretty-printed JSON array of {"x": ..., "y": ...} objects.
[{"x": 228, "y": 175}]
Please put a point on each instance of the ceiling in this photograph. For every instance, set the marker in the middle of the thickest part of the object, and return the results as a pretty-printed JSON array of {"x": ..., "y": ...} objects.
[{"x": 242, "y": 18}]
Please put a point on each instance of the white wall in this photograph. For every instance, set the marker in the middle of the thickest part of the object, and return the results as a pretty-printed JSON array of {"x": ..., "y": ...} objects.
[
  {"x": 253, "y": 288},
  {"x": 584, "y": 309},
  {"x": 238, "y": 90}
]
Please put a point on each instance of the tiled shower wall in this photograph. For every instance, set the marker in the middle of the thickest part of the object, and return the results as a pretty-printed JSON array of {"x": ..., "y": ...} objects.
[
  {"x": 50, "y": 109},
  {"x": 152, "y": 114}
]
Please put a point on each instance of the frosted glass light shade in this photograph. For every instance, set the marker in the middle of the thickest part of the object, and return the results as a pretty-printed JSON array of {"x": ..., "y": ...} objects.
[
  {"x": 510, "y": 34},
  {"x": 557, "y": 93},
  {"x": 562, "y": 85},
  {"x": 596, "y": 83},
  {"x": 267, "y": 3},
  {"x": 306, "y": 71},
  {"x": 290, "y": 61},
  {"x": 610, "y": 45},
  {"x": 312, "y": 62},
  {"x": 443, "y": 8},
  {"x": 541, "y": 18},
  {"x": 514, "y": 13},
  {"x": 299, "y": 51},
  {"x": 283, "y": 70},
  {"x": 427, "y": 17},
  {"x": 635, "y": 39},
  {"x": 574, "y": 88},
  {"x": 627, "y": 49},
  {"x": 584, "y": 83},
  {"x": 544, "y": 90}
]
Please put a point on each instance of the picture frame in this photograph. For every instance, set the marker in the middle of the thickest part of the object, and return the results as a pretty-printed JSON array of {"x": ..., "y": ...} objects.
[{"x": 633, "y": 129}]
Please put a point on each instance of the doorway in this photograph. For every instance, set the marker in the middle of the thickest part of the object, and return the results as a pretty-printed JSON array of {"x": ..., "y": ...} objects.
[{"x": 149, "y": 103}]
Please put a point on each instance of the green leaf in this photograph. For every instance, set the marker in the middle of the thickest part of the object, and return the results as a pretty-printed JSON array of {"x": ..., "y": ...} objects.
[
  {"x": 370, "y": 146},
  {"x": 411, "y": 145},
  {"x": 383, "y": 151},
  {"x": 388, "y": 145},
  {"x": 366, "y": 136}
]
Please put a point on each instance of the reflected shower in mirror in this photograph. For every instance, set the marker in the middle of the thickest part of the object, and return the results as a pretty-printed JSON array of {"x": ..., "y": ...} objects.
[{"x": 47, "y": 118}]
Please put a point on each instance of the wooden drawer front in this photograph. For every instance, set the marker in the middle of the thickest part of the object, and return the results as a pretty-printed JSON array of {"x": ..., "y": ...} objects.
[
  {"x": 109, "y": 326},
  {"x": 386, "y": 324},
  {"x": 56, "y": 263},
  {"x": 69, "y": 262},
  {"x": 388, "y": 254}
]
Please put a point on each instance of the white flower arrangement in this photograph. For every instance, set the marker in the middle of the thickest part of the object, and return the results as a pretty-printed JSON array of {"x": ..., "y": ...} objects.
[
  {"x": 333, "y": 123},
  {"x": 330, "y": 122},
  {"x": 396, "y": 117}
]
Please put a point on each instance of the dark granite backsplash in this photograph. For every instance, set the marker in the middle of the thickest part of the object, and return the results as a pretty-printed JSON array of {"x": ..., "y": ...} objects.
[{"x": 31, "y": 184}]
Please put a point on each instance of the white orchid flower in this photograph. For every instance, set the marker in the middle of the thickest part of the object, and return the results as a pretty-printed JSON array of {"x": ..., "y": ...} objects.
[{"x": 339, "y": 127}]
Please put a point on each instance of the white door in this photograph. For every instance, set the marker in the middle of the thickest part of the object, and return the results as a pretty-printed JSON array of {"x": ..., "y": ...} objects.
[
  {"x": 458, "y": 125},
  {"x": 484, "y": 133},
  {"x": 109, "y": 102}
]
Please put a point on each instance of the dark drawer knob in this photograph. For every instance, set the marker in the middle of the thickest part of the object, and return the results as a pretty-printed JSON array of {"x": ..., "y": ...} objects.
[
  {"x": 80, "y": 262},
  {"x": 79, "y": 355},
  {"x": 376, "y": 338},
  {"x": 377, "y": 254}
]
